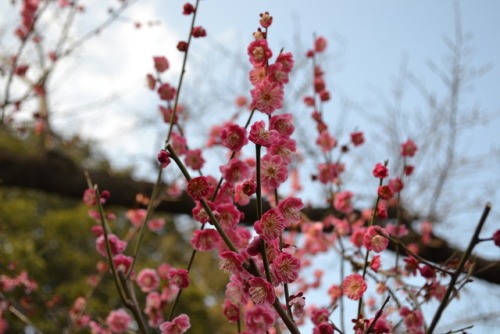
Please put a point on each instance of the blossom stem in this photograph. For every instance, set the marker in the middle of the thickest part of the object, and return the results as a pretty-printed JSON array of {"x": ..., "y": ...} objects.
[{"x": 460, "y": 267}]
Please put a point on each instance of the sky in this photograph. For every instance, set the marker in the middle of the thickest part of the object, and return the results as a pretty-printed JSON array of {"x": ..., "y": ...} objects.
[{"x": 100, "y": 92}]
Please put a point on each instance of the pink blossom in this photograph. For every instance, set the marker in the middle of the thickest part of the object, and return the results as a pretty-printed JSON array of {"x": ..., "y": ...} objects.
[
  {"x": 205, "y": 240},
  {"x": 231, "y": 262},
  {"x": 199, "y": 32},
  {"x": 343, "y": 202},
  {"x": 283, "y": 124},
  {"x": 357, "y": 236},
  {"x": 163, "y": 158},
  {"x": 396, "y": 231},
  {"x": 228, "y": 215},
  {"x": 161, "y": 63},
  {"x": 179, "y": 277},
  {"x": 115, "y": 244},
  {"x": 156, "y": 224},
  {"x": 261, "y": 291},
  {"x": 260, "y": 135},
  {"x": 374, "y": 241},
  {"x": 408, "y": 148},
  {"x": 271, "y": 225},
  {"x": 194, "y": 159},
  {"x": 284, "y": 147},
  {"x": 286, "y": 267},
  {"x": 177, "y": 326},
  {"x": 166, "y": 92},
  {"x": 385, "y": 193},
  {"x": 188, "y": 9},
  {"x": 231, "y": 311},
  {"x": 259, "y": 319},
  {"x": 286, "y": 59},
  {"x": 414, "y": 320},
  {"x": 375, "y": 263},
  {"x": 259, "y": 52},
  {"x": 200, "y": 214},
  {"x": 148, "y": 280},
  {"x": 297, "y": 304},
  {"x": 178, "y": 143},
  {"x": 354, "y": 286},
  {"x": 267, "y": 96},
  {"x": 233, "y": 137},
  {"x": 326, "y": 142},
  {"x": 122, "y": 262},
  {"x": 198, "y": 187},
  {"x": 235, "y": 171},
  {"x": 275, "y": 73},
  {"x": 320, "y": 44},
  {"x": 239, "y": 195},
  {"x": 357, "y": 138},
  {"x": 257, "y": 74},
  {"x": 335, "y": 292},
  {"x": 136, "y": 217},
  {"x": 273, "y": 171},
  {"x": 89, "y": 197},
  {"x": 324, "y": 328},
  {"x": 319, "y": 315},
  {"x": 380, "y": 171},
  {"x": 118, "y": 321},
  {"x": 237, "y": 291},
  {"x": 290, "y": 209}
]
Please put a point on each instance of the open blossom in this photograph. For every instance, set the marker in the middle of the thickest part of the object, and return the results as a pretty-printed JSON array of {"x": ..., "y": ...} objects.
[
  {"x": 231, "y": 262},
  {"x": 179, "y": 277},
  {"x": 161, "y": 63},
  {"x": 205, "y": 240},
  {"x": 231, "y": 311},
  {"x": 122, "y": 262},
  {"x": 233, "y": 136},
  {"x": 235, "y": 171},
  {"x": 354, "y": 286},
  {"x": 273, "y": 171},
  {"x": 259, "y": 319},
  {"x": 259, "y": 52},
  {"x": 115, "y": 244},
  {"x": 118, "y": 321},
  {"x": 396, "y": 185},
  {"x": 275, "y": 73},
  {"x": 194, "y": 159},
  {"x": 374, "y": 241},
  {"x": 343, "y": 202},
  {"x": 177, "y": 326},
  {"x": 408, "y": 148},
  {"x": 326, "y": 142},
  {"x": 267, "y": 96},
  {"x": 261, "y": 291},
  {"x": 136, "y": 217},
  {"x": 261, "y": 136},
  {"x": 148, "y": 280},
  {"x": 414, "y": 320},
  {"x": 283, "y": 124},
  {"x": 271, "y": 225},
  {"x": 286, "y": 267},
  {"x": 290, "y": 209},
  {"x": 198, "y": 187},
  {"x": 284, "y": 147},
  {"x": 166, "y": 92}
]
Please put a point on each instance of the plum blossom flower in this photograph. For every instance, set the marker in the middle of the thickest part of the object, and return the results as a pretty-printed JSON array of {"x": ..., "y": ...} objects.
[
  {"x": 166, "y": 92},
  {"x": 290, "y": 209},
  {"x": 354, "y": 286},
  {"x": 194, "y": 159},
  {"x": 205, "y": 240},
  {"x": 260, "y": 135},
  {"x": 235, "y": 171},
  {"x": 115, "y": 244},
  {"x": 267, "y": 96},
  {"x": 231, "y": 262},
  {"x": 118, "y": 321},
  {"x": 408, "y": 148},
  {"x": 385, "y": 192},
  {"x": 357, "y": 138},
  {"x": 163, "y": 158},
  {"x": 161, "y": 63},
  {"x": 261, "y": 291},
  {"x": 343, "y": 202},
  {"x": 374, "y": 241},
  {"x": 148, "y": 280},
  {"x": 265, "y": 20},
  {"x": 179, "y": 277},
  {"x": 233, "y": 137},
  {"x": 283, "y": 124},
  {"x": 273, "y": 171},
  {"x": 198, "y": 187},
  {"x": 259, "y": 52},
  {"x": 320, "y": 44},
  {"x": 271, "y": 225},
  {"x": 177, "y": 326},
  {"x": 231, "y": 311},
  {"x": 380, "y": 171},
  {"x": 259, "y": 319},
  {"x": 286, "y": 267}
]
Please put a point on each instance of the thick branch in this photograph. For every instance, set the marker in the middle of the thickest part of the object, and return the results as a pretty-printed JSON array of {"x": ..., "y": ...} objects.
[{"x": 54, "y": 173}]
